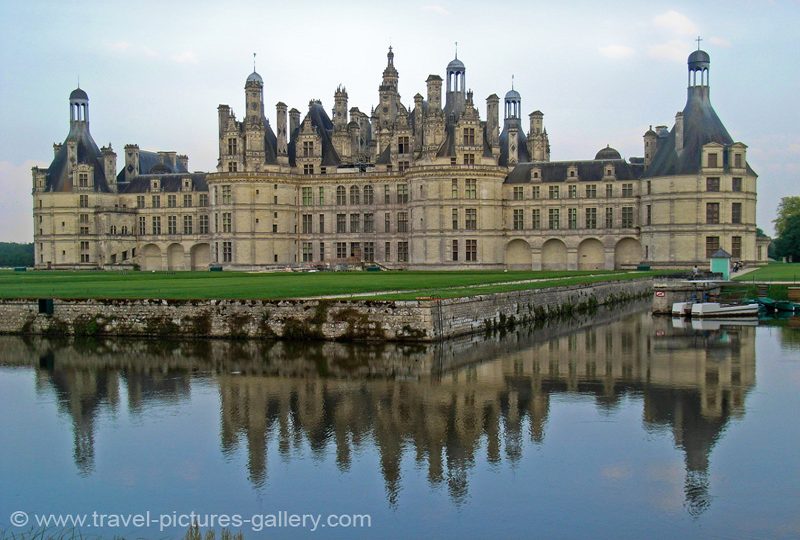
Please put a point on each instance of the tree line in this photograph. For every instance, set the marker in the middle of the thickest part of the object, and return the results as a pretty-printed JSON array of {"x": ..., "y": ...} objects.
[
  {"x": 14, "y": 254},
  {"x": 787, "y": 229}
]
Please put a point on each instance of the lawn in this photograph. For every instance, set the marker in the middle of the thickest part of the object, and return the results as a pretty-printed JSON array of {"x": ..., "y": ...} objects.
[
  {"x": 238, "y": 285},
  {"x": 773, "y": 272}
]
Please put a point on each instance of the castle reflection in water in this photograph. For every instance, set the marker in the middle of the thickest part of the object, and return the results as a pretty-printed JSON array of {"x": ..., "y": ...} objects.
[{"x": 450, "y": 403}]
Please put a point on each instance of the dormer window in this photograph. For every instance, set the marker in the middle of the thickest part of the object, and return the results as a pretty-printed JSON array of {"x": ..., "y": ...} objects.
[
  {"x": 308, "y": 148},
  {"x": 187, "y": 184},
  {"x": 155, "y": 184},
  {"x": 712, "y": 160},
  {"x": 737, "y": 161}
]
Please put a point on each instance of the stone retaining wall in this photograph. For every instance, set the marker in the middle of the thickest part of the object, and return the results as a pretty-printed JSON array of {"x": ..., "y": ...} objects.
[{"x": 345, "y": 320}]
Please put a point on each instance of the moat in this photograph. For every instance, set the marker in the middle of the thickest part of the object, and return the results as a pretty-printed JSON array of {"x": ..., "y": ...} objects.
[{"x": 617, "y": 424}]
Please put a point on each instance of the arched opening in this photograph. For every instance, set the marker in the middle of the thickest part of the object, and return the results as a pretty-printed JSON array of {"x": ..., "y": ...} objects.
[
  {"x": 627, "y": 253},
  {"x": 175, "y": 260},
  {"x": 590, "y": 255},
  {"x": 518, "y": 255},
  {"x": 200, "y": 255},
  {"x": 554, "y": 255},
  {"x": 151, "y": 257}
]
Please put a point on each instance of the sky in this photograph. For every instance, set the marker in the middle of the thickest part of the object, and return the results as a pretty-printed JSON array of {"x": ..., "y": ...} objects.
[{"x": 601, "y": 72}]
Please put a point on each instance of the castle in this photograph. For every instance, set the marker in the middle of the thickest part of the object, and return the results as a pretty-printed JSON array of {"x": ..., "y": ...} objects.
[{"x": 427, "y": 187}]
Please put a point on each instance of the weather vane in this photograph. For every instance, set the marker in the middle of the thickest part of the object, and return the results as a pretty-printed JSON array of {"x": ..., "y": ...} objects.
[
  {"x": 254, "y": 62},
  {"x": 698, "y": 40}
]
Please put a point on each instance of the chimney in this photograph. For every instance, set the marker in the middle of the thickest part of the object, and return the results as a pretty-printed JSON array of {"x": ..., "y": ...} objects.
[
  {"x": 434, "y": 92},
  {"x": 493, "y": 121},
  {"x": 294, "y": 121},
  {"x": 110, "y": 165},
  {"x": 679, "y": 132},
  {"x": 131, "y": 161},
  {"x": 56, "y": 149},
  {"x": 183, "y": 161}
]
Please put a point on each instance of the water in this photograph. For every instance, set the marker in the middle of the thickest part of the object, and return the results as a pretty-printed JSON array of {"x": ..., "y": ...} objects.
[{"x": 618, "y": 425}]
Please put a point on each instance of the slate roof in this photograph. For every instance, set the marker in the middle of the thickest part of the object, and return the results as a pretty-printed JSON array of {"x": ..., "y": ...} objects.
[
  {"x": 588, "y": 171},
  {"x": 169, "y": 182},
  {"x": 522, "y": 153},
  {"x": 58, "y": 178},
  {"x": 322, "y": 122}
]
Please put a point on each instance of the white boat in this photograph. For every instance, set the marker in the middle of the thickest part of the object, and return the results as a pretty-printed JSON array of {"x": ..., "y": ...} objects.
[
  {"x": 715, "y": 309},
  {"x": 682, "y": 309},
  {"x": 717, "y": 324}
]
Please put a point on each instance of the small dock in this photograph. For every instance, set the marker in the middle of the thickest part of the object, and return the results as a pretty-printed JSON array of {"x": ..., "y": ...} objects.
[{"x": 666, "y": 293}]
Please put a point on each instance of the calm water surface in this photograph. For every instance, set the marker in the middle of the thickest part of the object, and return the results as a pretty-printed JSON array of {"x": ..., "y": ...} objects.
[{"x": 618, "y": 425}]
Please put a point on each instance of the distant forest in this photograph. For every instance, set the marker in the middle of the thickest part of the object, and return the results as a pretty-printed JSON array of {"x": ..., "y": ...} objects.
[{"x": 13, "y": 254}]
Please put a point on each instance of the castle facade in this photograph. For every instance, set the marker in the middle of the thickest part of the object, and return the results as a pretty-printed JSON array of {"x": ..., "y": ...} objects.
[{"x": 428, "y": 186}]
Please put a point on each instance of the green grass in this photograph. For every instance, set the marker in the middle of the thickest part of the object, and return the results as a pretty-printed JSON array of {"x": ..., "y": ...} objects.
[
  {"x": 773, "y": 272},
  {"x": 237, "y": 285}
]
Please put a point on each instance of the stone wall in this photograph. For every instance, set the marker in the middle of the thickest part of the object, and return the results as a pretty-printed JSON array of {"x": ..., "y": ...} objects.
[{"x": 345, "y": 320}]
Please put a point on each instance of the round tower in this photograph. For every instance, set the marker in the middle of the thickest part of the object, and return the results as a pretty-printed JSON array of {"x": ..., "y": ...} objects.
[
  {"x": 699, "y": 66},
  {"x": 254, "y": 97},
  {"x": 78, "y": 107}
]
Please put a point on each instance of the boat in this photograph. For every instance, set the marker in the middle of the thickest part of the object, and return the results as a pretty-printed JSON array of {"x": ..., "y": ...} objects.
[
  {"x": 715, "y": 309},
  {"x": 682, "y": 309},
  {"x": 767, "y": 303},
  {"x": 785, "y": 306}
]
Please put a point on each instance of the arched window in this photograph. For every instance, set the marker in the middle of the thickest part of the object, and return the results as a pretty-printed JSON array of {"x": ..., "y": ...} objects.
[
  {"x": 355, "y": 195},
  {"x": 369, "y": 194},
  {"x": 341, "y": 195}
]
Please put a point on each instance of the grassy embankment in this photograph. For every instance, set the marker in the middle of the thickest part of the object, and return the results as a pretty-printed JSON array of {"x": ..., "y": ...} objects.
[
  {"x": 238, "y": 285},
  {"x": 783, "y": 272}
]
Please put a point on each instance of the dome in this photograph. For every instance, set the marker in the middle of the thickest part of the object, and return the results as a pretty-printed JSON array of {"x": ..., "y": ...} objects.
[
  {"x": 699, "y": 59},
  {"x": 78, "y": 93},
  {"x": 607, "y": 153},
  {"x": 513, "y": 95},
  {"x": 456, "y": 65},
  {"x": 255, "y": 77}
]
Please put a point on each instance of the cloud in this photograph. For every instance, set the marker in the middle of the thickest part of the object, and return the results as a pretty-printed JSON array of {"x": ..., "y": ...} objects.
[
  {"x": 676, "y": 23},
  {"x": 16, "y": 216},
  {"x": 120, "y": 46},
  {"x": 435, "y": 8},
  {"x": 673, "y": 50},
  {"x": 616, "y": 52},
  {"x": 185, "y": 57},
  {"x": 719, "y": 41},
  {"x": 128, "y": 48}
]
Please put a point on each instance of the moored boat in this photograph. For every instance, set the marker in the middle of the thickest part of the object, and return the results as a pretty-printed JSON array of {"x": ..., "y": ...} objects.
[
  {"x": 715, "y": 309},
  {"x": 682, "y": 309}
]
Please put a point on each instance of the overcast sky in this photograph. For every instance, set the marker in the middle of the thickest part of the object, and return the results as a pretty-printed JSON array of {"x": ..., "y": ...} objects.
[{"x": 601, "y": 72}]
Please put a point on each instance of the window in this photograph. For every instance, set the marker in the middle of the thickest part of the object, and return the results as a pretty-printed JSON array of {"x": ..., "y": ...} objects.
[
  {"x": 572, "y": 218},
  {"x": 518, "y": 219},
  {"x": 156, "y": 201},
  {"x": 322, "y": 223},
  {"x": 142, "y": 225},
  {"x": 712, "y": 245},
  {"x": 369, "y": 223},
  {"x": 572, "y": 193},
  {"x": 226, "y": 222},
  {"x": 227, "y": 251},
  {"x": 322, "y": 251},
  {"x": 712, "y": 184},
  {"x": 187, "y": 200},
  {"x": 83, "y": 218},
  {"x": 469, "y": 136},
  {"x": 226, "y": 195},
  {"x": 591, "y": 191},
  {"x": 203, "y": 224},
  {"x": 537, "y": 192},
  {"x": 536, "y": 219},
  {"x": 627, "y": 217},
  {"x": 369, "y": 194},
  {"x": 518, "y": 193},
  {"x": 341, "y": 223},
  {"x": 231, "y": 146},
  {"x": 387, "y": 222},
  {"x": 83, "y": 180},
  {"x": 308, "y": 148},
  {"x": 454, "y": 250},
  {"x": 402, "y": 222},
  {"x": 341, "y": 196},
  {"x": 172, "y": 201},
  {"x": 402, "y": 193},
  {"x": 402, "y": 251},
  {"x": 307, "y": 196},
  {"x": 341, "y": 250},
  {"x": 156, "y": 224},
  {"x": 471, "y": 219},
  {"x": 84, "y": 230},
  {"x": 736, "y": 213},
  {"x": 469, "y": 159},
  {"x": 609, "y": 218},
  {"x": 627, "y": 190},
  {"x": 140, "y": 201},
  {"x": 308, "y": 168},
  {"x": 712, "y": 213},
  {"x": 355, "y": 195},
  {"x": 648, "y": 219},
  {"x": 736, "y": 184},
  {"x": 471, "y": 188},
  {"x": 591, "y": 218},
  {"x": 649, "y": 187},
  {"x": 187, "y": 225},
  {"x": 712, "y": 160},
  {"x": 736, "y": 247},
  {"x": 552, "y": 192},
  {"x": 554, "y": 218},
  {"x": 203, "y": 199},
  {"x": 471, "y": 250},
  {"x": 454, "y": 188},
  {"x": 387, "y": 251},
  {"x": 321, "y": 195},
  {"x": 83, "y": 201},
  {"x": 454, "y": 214},
  {"x": 369, "y": 251},
  {"x": 737, "y": 161},
  {"x": 355, "y": 223},
  {"x": 307, "y": 223},
  {"x": 233, "y": 166},
  {"x": 402, "y": 145},
  {"x": 386, "y": 196},
  {"x": 308, "y": 252}
]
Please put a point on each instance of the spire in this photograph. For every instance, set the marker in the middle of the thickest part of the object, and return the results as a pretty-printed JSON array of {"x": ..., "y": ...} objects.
[
  {"x": 698, "y": 40},
  {"x": 456, "y": 50},
  {"x": 254, "y": 62}
]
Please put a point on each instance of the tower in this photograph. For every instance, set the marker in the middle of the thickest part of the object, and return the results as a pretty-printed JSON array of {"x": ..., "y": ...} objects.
[
  {"x": 456, "y": 87},
  {"x": 254, "y": 122}
]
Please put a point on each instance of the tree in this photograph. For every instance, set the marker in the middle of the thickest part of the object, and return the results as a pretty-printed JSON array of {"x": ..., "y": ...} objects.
[
  {"x": 788, "y": 243},
  {"x": 788, "y": 207},
  {"x": 13, "y": 254}
]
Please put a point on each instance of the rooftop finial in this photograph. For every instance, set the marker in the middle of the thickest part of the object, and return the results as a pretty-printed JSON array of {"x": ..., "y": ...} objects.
[
  {"x": 456, "y": 50},
  {"x": 698, "y": 40},
  {"x": 512, "y": 81},
  {"x": 79, "y": 80},
  {"x": 254, "y": 62}
]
